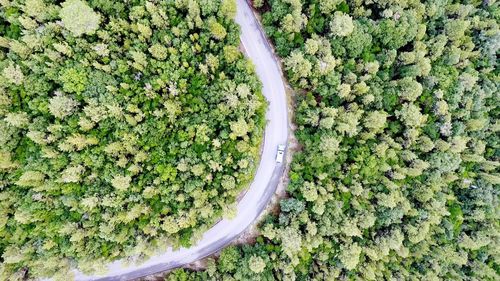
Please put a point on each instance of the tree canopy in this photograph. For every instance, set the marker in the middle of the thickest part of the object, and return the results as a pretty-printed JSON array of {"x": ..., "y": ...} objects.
[
  {"x": 124, "y": 126},
  {"x": 396, "y": 107}
]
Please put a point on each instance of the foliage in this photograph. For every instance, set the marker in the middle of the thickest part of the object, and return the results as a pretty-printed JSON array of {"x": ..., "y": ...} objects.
[
  {"x": 397, "y": 116},
  {"x": 123, "y": 127},
  {"x": 78, "y": 17}
]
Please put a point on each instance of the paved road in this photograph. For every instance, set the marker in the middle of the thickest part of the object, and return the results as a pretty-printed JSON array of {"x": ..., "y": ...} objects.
[{"x": 266, "y": 179}]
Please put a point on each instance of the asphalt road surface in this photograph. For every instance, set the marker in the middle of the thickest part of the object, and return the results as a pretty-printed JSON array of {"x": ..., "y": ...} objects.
[{"x": 267, "y": 176}]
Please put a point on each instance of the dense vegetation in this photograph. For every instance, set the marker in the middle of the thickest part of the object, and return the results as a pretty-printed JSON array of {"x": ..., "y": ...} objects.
[
  {"x": 397, "y": 110},
  {"x": 123, "y": 126}
]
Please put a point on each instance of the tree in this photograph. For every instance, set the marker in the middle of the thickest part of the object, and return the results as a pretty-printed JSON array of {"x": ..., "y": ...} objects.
[
  {"x": 31, "y": 179},
  {"x": 13, "y": 74},
  {"x": 455, "y": 28},
  {"x": 292, "y": 205},
  {"x": 72, "y": 174},
  {"x": 61, "y": 106},
  {"x": 341, "y": 25},
  {"x": 328, "y": 6},
  {"x": 291, "y": 241},
  {"x": 228, "y": 8},
  {"x": 239, "y": 128},
  {"x": 229, "y": 259},
  {"x": 79, "y": 18},
  {"x": 17, "y": 119},
  {"x": 36, "y": 9},
  {"x": 376, "y": 120},
  {"x": 350, "y": 255},
  {"x": 159, "y": 51},
  {"x": 73, "y": 80},
  {"x": 298, "y": 66},
  {"x": 231, "y": 53},
  {"x": 121, "y": 183},
  {"x": 216, "y": 29},
  {"x": 411, "y": 116},
  {"x": 311, "y": 46},
  {"x": 256, "y": 264},
  {"x": 410, "y": 89},
  {"x": 258, "y": 3}
]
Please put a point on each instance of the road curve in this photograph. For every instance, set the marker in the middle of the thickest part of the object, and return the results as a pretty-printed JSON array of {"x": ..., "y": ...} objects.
[{"x": 266, "y": 178}]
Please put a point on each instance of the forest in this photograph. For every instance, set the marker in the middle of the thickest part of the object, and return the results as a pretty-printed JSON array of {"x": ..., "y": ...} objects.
[
  {"x": 125, "y": 127},
  {"x": 397, "y": 175}
]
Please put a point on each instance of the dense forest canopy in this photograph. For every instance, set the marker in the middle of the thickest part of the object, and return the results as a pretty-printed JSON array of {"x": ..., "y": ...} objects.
[
  {"x": 124, "y": 125},
  {"x": 397, "y": 106}
]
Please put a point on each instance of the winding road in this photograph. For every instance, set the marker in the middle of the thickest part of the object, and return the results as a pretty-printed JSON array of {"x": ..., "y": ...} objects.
[{"x": 266, "y": 178}]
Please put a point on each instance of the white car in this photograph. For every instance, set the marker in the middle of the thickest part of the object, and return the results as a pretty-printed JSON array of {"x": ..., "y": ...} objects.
[{"x": 281, "y": 153}]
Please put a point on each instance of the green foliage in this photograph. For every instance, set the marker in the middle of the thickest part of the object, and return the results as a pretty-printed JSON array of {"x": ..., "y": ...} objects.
[
  {"x": 134, "y": 130},
  {"x": 218, "y": 31},
  {"x": 73, "y": 80},
  {"x": 257, "y": 264},
  {"x": 397, "y": 119},
  {"x": 13, "y": 74},
  {"x": 79, "y": 18},
  {"x": 228, "y": 259}
]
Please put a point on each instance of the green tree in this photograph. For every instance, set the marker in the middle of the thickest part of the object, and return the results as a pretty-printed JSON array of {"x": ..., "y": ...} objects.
[
  {"x": 79, "y": 18},
  {"x": 256, "y": 264},
  {"x": 229, "y": 259},
  {"x": 341, "y": 25},
  {"x": 217, "y": 30},
  {"x": 228, "y": 8},
  {"x": 13, "y": 74}
]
